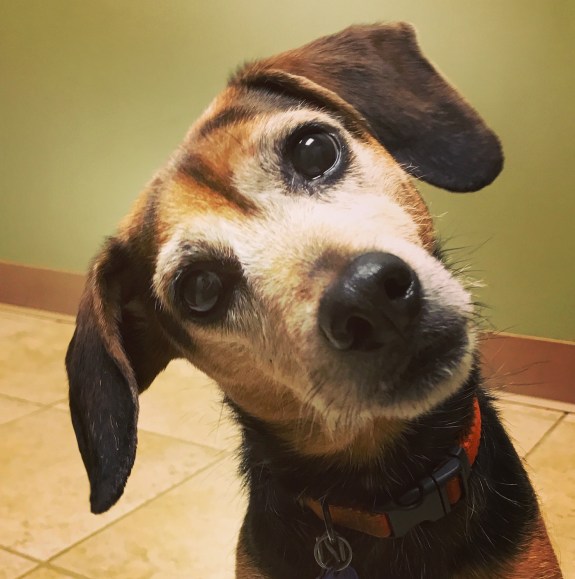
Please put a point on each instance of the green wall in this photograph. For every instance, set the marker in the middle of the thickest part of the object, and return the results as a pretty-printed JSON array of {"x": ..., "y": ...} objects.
[{"x": 95, "y": 95}]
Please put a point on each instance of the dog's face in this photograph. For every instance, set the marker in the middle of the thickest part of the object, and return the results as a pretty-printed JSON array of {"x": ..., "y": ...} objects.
[
  {"x": 285, "y": 252},
  {"x": 269, "y": 274}
]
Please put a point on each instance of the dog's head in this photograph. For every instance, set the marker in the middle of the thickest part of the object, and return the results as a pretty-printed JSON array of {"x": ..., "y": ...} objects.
[{"x": 285, "y": 252}]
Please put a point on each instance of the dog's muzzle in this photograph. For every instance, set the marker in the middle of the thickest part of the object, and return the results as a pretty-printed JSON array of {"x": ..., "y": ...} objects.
[{"x": 391, "y": 334}]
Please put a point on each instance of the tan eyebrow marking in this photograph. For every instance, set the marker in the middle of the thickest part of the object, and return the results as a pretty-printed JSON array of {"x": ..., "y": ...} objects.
[
  {"x": 226, "y": 117},
  {"x": 204, "y": 174}
]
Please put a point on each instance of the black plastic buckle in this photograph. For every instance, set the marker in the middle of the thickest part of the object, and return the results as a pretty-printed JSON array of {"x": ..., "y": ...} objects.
[{"x": 428, "y": 501}]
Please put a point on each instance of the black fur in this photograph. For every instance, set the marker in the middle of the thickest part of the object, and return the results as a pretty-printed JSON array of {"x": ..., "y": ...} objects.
[
  {"x": 104, "y": 414},
  {"x": 482, "y": 532},
  {"x": 105, "y": 382}
]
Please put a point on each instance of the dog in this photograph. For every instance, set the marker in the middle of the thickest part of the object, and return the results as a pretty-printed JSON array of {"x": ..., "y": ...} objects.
[{"x": 285, "y": 251}]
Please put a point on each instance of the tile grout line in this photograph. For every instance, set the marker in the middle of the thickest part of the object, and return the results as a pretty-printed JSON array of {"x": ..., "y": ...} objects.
[
  {"x": 546, "y": 434},
  {"x": 59, "y": 401},
  {"x": 18, "y": 399},
  {"x": 23, "y": 312},
  {"x": 535, "y": 402},
  {"x": 36, "y": 319},
  {"x": 185, "y": 441},
  {"x": 529, "y": 404},
  {"x": 23, "y": 555},
  {"x": 31, "y": 413},
  {"x": 66, "y": 571},
  {"x": 217, "y": 460},
  {"x": 56, "y": 568}
]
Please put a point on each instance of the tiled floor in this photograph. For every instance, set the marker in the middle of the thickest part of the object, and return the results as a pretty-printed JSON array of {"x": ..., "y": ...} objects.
[{"x": 183, "y": 504}]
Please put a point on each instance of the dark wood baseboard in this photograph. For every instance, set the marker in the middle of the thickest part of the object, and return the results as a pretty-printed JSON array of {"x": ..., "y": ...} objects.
[
  {"x": 519, "y": 364},
  {"x": 530, "y": 366},
  {"x": 43, "y": 289}
]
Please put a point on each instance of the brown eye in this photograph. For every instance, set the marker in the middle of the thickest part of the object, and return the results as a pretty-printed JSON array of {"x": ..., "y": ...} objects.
[
  {"x": 314, "y": 154},
  {"x": 201, "y": 291}
]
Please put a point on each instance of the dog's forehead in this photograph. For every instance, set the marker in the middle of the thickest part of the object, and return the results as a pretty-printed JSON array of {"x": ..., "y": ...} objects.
[
  {"x": 249, "y": 122},
  {"x": 224, "y": 169},
  {"x": 239, "y": 128}
]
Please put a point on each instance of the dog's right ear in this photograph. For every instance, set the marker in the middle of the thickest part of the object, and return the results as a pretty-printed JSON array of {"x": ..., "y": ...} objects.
[
  {"x": 117, "y": 350},
  {"x": 380, "y": 72}
]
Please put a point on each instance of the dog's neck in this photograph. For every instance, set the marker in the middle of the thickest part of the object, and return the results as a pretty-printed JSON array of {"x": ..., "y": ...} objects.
[
  {"x": 278, "y": 478},
  {"x": 383, "y": 460}
]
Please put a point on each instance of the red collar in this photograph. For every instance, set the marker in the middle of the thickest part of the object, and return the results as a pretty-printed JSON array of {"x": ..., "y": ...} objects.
[{"x": 430, "y": 500}]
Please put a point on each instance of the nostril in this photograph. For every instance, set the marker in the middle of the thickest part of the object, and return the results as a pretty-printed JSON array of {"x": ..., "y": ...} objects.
[
  {"x": 361, "y": 332},
  {"x": 398, "y": 283},
  {"x": 353, "y": 332}
]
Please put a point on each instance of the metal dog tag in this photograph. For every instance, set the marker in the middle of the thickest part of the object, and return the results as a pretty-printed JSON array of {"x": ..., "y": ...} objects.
[
  {"x": 332, "y": 552},
  {"x": 347, "y": 573}
]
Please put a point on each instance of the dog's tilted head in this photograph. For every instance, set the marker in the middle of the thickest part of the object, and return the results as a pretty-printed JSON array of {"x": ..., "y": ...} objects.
[{"x": 285, "y": 252}]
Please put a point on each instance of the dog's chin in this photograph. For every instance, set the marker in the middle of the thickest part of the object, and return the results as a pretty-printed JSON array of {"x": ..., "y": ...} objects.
[{"x": 352, "y": 406}]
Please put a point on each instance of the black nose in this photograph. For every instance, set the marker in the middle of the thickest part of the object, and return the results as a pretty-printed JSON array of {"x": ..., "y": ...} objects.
[{"x": 375, "y": 302}]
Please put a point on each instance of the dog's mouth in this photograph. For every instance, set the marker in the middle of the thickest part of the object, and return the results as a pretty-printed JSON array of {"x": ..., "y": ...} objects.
[
  {"x": 404, "y": 383},
  {"x": 435, "y": 369},
  {"x": 437, "y": 357}
]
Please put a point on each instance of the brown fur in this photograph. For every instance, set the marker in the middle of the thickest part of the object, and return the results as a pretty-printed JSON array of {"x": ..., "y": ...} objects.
[{"x": 538, "y": 560}]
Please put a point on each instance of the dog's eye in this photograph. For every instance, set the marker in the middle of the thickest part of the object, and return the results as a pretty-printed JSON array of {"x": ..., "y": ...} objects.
[
  {"x": 201, "y": 291},
  {"x": 314, "y": 154},
  {"x": 204, "y": 289}
]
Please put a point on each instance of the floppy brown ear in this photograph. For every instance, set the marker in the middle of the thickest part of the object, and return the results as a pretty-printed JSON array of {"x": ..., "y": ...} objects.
[
  {"x": 410, "y": 108},
  {"x": 117, "y": 350}
]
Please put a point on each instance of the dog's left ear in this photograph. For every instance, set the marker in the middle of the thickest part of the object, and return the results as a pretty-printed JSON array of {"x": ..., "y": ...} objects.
[
  {"x": 117, "y": 350},
  {"x": 410, "y": 108}
]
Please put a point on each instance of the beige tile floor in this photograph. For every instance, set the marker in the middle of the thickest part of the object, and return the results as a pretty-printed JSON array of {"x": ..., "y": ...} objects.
[{"x": 183, "y": 504}]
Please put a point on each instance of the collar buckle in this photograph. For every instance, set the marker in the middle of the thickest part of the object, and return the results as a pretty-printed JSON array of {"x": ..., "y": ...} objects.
[{"x": 429, "y": 500}]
